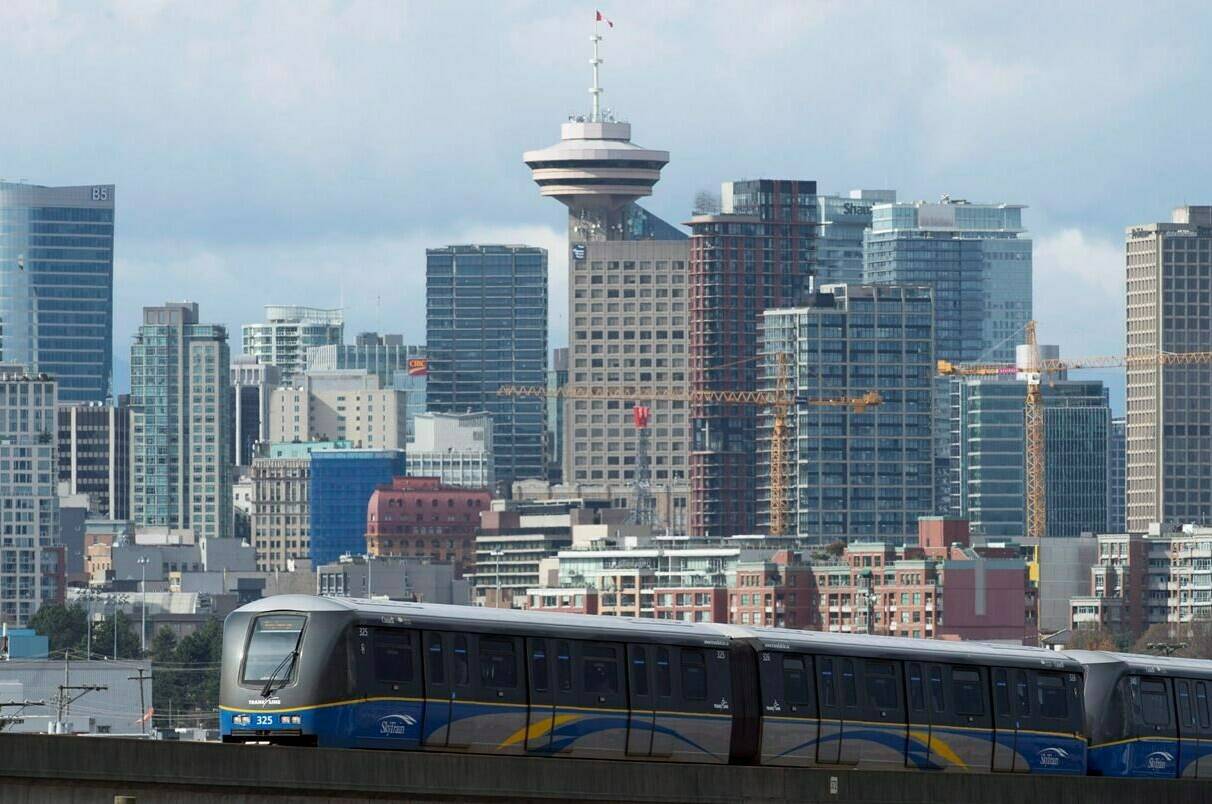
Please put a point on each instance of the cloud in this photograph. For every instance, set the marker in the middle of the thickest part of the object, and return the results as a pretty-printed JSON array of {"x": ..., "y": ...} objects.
[{"x": 1080, "y": 299}]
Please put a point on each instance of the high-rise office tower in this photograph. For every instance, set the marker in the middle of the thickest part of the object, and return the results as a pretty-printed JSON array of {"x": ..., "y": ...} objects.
[
  {"x": 1117, "y": 466},
  {"x": 31, "y": 565},
  {"x": 978, "y": 261},
  {"x": 627, "y": 301},
  {"x": 345, "y": 405},
  {"x": 57, "y": 284},
  {"x": 287, "y": 333},
  {"x": 756, "y": 254},
  {"x": 399, "y": 366},
  {"x": 486, "y": 326},
  {"x": 252, "y": 383},
  {"x": 853, "y": 475},
  {"x": 988, "y": 434},
  {"x": 180, "y": 384},
  {"x": 1169, "y": 429},
  {"x": 94, "y": 455},
  {"x": 339, "y": 490},
  {"x": 843, "y": 221}
]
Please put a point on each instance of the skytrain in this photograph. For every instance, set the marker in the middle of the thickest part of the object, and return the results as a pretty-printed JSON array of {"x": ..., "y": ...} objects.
[{"x": 302, "y": 670}]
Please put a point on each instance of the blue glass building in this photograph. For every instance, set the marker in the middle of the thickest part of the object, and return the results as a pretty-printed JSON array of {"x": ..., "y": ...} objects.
[
  {"x": 853, "y": 475},
  {"x": 486, "y": 326},
  {"x": 57, "y": 284},
  {"x": 989, "y": 434},
  {"x": 342, "y": 481}
]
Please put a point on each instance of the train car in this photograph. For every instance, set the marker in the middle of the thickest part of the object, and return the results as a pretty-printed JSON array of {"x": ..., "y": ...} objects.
[
  {"x": 1148, "y": 715},
  {"x": 892, "y": 703},
  {"x": 361, "y": 674}
]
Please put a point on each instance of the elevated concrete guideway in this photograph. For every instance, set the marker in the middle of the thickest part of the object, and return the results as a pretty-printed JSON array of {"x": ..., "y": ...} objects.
[{"x": 39, "y": 768}]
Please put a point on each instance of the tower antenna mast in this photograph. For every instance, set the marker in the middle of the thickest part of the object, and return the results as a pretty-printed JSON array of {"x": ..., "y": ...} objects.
[{"x": 596, "y": 89}]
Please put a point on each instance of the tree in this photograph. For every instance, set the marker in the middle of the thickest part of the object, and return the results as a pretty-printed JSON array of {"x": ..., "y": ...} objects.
[
  {"x": 163, "y": 645},
  {"x": 63, "y": 626},
  {"x": 836, "y": 549},
  {"x": 1094, "y": 639},
  {"x": 187, "y": 674},
  {"x": 103, "y": 638}
]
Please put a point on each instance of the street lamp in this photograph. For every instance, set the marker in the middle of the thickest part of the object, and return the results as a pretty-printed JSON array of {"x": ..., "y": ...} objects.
[
  {"x": 88, "y": 596},
  {"x": 497, "y": 553},
  {"x": 143, "y": 605},
  {"x": 117, "y": 601}
]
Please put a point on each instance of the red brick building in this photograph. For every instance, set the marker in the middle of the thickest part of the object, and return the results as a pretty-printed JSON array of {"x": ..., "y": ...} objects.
[{"x": 418, "y": 516}]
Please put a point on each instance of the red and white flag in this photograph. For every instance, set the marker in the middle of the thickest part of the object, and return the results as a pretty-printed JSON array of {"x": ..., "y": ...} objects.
[{"x": 603, "y": 19}]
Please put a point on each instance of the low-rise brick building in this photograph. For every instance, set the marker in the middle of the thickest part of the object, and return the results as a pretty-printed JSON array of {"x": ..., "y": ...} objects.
[{"x": 421, "y": 517}]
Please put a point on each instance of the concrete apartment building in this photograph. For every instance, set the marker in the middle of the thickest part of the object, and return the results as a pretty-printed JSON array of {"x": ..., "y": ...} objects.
[
  {"x": 252, "y": 384},
  {"x": 289, "y": 330},
  {"x": 456, "y": 448},
  {"x": 348, "y": 405},
  {"x": 397, "y": 365},
  {"x": 1169, "y": 407},
  {"x": 180, "y": 389},
  {"x": 32, "y": 564},
  {"x": 94, "y": 455},
  {"x": 279, "y": 525}
]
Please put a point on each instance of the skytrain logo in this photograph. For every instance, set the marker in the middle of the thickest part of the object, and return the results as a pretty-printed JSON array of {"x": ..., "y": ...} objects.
[
  {"x": 396, "y": 725},
  {"x": 1051, "y": 757},
  {"x": 1159, "y": 760}
]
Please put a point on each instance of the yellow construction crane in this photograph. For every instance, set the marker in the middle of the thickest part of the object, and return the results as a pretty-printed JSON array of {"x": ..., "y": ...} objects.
[
  {"x": 780, "y": 401},
  {"x": 1033, "y": 369}
]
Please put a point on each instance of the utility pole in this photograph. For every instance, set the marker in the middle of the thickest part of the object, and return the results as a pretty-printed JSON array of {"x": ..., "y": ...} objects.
[
  {"x": 65, "y": 699},
  {"x": 142, "y": 704},
  {"x": 20, "y": 706}
]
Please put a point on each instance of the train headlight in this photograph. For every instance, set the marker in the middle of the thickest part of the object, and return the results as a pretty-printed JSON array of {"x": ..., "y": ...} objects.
[
  {"x": 294, "y": 720},
  {"x": 241, "y": 720}
]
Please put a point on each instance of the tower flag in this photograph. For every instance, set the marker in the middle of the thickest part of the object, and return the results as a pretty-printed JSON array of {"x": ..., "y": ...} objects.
[{"x": 600, "y": 18}]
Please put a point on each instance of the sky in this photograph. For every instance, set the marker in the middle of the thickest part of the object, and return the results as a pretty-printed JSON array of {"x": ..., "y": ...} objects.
[{"x": 308, "y": 152}]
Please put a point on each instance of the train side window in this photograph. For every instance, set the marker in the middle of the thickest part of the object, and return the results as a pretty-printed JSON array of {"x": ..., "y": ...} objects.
[
  {"x": 937, "y": 698},
  {"x": 969, "y": 698},
  {"x": 828, "y": 693},
  {"x": 462, "y": 668},
  {"x": 538, "y": 668},
  {"x": 435, "y": 668},
  {"x": 795, "y": 681},
  {"x": 1186, "y": 712},
  {"x": 1022, "y": 693},
  {"x": 601, "y": 667},
  {"x": 917, "y": 689},
  {"x": 639, "y": 672},
  {"x": 498, "y": 664},
  {"x": 881, "y": 685},
  {"x": 1050, "y": 689},
  {"x": 1201, "y": 700},
  {"x": 664, "y": 674},
  {"x": 1155, "y": 703},
  {"x": 1001, "y": 692},
  {"x": 694, "y": 675},
  {"x": 849, "y": 688},
  {"x": 393, "y": 657},
  {"x": 564, "y": 665}
]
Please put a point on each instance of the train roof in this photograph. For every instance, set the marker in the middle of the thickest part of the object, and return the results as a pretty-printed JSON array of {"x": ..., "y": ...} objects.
[
  {"x": 1146, "y": 664},
  {"x": 556, "y": 624},
  {"x": 904, "y": 647}
]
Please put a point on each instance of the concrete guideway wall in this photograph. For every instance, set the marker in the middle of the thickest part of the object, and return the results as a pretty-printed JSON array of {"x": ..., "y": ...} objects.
[{"x": 40, "y": 768}]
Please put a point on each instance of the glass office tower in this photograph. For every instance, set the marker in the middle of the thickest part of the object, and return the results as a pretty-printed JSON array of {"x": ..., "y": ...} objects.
[
  {"x": 57, "y": 284},
  {"x": 341, "y": 483},
  {"x": 486, "y": 326}
]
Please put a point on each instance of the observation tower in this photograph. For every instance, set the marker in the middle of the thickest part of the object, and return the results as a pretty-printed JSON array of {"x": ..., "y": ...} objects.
[{"x": 598, "y": 172}]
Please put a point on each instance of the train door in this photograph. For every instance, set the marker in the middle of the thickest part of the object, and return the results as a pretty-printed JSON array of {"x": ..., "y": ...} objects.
[
  {"x": 837, "y": 698},
  {"x": 961, "y": 721},
  {"x": 917, "y": 748},
  {"x": 1005, "y": 725},
  {"x": 389, "y": 670},
  {"x": 564, "y": 697},
  {"x": 1188, "y": 729},
  {"x": 664, "y": 724},
  {"x": 541, "y": 705},
  {"x": 883, "y": 732},
  {"x": 1203, "y": 690},
  {"x": 496, "y": 718},
  {"x": 435, "y": 732},
  {"x": 641, "y": 702},
  {"x": 599, "y": 726},
  {"x": 789, "y": 723},
  {"x": 1153, "y": 752}
]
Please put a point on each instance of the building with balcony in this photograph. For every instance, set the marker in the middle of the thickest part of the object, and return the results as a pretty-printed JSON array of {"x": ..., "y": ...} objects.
[{"x": 289, "y": 330}]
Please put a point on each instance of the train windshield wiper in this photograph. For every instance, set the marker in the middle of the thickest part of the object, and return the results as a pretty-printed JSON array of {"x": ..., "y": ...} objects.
[{"x": 287, "y": 664}]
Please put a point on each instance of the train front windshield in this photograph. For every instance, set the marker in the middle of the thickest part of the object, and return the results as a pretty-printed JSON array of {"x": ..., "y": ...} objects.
[{"x": 274, "y": 639}]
